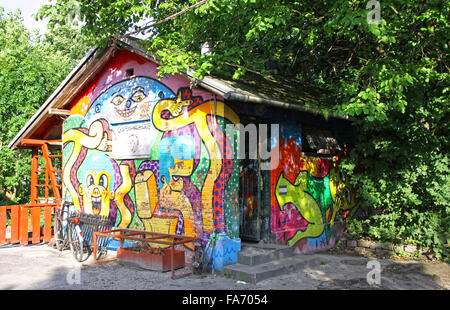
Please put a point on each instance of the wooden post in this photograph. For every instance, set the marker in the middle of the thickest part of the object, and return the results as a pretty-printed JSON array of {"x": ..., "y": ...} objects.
[
  {"x": 94, "y": 246},
  {"x": 14, "y": 224},
  {"x": 35, "y": 212},
  {"x": 48, "y": 224},
  {"x": 36, "y": 224},
  {"x": 47, "y": 172},
  {"x": 34, "y": 176},
  {"x": 23, "y": 222},
  {"x": 172, "y": 250},
  {"x": 2, "y": 225},
  {"x": 49, "y": 165}
]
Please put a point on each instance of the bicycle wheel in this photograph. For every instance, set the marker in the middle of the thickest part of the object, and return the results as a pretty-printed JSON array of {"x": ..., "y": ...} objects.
[
  {"x": 79, "y": 250},
  {"x": 59, "y": 234}
]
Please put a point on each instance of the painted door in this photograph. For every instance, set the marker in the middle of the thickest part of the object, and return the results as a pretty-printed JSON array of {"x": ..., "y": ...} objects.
[{"x": 249, "y": 200}]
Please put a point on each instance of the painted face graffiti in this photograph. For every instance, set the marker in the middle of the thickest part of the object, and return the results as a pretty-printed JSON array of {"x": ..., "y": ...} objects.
[
  {"x": 96, "y": 188},
  {"x": 96, "y": 196},
  {"x": 126, "y": 101},
  {"x": 176, "y": 160},
  {"x": 176, "y": 113}
]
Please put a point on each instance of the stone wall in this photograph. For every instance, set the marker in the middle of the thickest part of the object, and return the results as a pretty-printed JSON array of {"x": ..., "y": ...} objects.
[{"x": 380, "y": 249}]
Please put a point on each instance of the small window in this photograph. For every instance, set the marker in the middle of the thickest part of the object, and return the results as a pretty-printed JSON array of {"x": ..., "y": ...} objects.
[
  {"x": 130, "y": 72},
  {"x": 318, "y": 142}
]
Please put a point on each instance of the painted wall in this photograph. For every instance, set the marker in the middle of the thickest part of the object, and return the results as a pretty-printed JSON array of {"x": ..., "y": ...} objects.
[
  {"x": 308, "y": 195},
  {"x": 149, "y": 154},
  {"x": 153, "y": 154}
]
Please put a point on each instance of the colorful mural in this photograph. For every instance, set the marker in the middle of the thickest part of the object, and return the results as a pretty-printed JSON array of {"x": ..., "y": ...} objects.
[
  {"x": 151, "y": 158},
  {"x": 154, "y": 155},
  {"x": 308, "y": 194}
]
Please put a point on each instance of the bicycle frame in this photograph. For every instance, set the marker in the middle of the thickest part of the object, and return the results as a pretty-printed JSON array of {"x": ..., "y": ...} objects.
[
  {"x": 61, "y": 226},
  {"x": 76, "y": 230},
  {"x": 75, "y": 222}
]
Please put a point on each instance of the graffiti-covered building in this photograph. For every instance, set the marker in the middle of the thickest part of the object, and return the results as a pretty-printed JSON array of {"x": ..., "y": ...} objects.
[{"x": 194, "y": 157}]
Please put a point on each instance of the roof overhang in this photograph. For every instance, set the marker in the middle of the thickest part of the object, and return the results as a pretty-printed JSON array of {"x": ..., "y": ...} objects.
[{"x": 234, "y": 91}]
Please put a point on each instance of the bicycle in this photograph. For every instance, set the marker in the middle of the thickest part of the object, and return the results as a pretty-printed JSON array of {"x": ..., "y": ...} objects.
[
  {"x": 68, "y": 232},
  {"x": 75, "y": 230},
  {"x": 60, "y": 227},
  {"x": 80, "y": 249}
]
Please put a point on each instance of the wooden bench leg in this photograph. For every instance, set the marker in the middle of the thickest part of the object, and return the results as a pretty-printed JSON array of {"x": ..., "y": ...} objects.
[{"x": 95, "y": 252}]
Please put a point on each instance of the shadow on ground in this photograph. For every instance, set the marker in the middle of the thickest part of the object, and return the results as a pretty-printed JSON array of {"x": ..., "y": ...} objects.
[{"x": 42, "y": 267}]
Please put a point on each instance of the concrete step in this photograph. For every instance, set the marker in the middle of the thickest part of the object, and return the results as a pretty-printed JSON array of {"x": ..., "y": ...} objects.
[
  {"x": 255, "y": 273},
  {"x": 256, "y": 254}
]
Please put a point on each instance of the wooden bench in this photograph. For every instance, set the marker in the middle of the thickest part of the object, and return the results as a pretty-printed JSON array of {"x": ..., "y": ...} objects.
[{"x": 146, "y": 236}]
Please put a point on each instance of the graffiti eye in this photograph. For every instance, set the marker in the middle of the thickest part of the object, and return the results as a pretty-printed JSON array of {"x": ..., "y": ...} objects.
[
  {"x": 90, "y": 180},
  {"x": 175, "y": 178},
  {"x": 117, "y": 100},
  {"x": 138, "y": 96},
  {"x": 103, "y": 182}
]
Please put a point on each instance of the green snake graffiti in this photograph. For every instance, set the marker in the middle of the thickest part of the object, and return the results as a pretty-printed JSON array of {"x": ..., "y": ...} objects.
[{"x": 305, "y": 204}]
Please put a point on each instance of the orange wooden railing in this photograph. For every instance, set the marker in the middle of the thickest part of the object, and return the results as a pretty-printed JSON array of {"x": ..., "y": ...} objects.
[
  {"x": 25, "y": 220},
  {"x": 25, "y": 223}
]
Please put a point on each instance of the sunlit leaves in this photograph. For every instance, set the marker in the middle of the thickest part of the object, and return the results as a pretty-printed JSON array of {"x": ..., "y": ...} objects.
[{"x": 31, "y": 67}]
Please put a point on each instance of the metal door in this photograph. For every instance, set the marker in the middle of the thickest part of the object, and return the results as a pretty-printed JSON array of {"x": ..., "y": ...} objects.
[{"x": 249, "y": 199}]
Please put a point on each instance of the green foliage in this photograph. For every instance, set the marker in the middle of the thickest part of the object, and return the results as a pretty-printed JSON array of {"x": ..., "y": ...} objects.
[
  {"x": 391, "y": 76},
  {"x": 31, "y": 68},
  {"x": 401, "y": 166}
]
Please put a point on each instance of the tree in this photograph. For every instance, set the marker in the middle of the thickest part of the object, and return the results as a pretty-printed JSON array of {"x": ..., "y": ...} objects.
[
  {"x": 31, "y": 68},
  {"x": 383, "y": 62}
]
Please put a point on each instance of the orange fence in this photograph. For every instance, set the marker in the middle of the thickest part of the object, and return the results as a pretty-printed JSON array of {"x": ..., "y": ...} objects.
[{"x": 27, "y": 223}]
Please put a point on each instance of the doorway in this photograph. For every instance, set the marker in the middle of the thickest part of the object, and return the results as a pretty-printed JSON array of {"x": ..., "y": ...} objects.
[{"x": 254, "y": 192}]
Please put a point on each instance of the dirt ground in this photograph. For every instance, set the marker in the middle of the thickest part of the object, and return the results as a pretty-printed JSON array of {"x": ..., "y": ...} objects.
[{"x": 40, "y": 267}]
